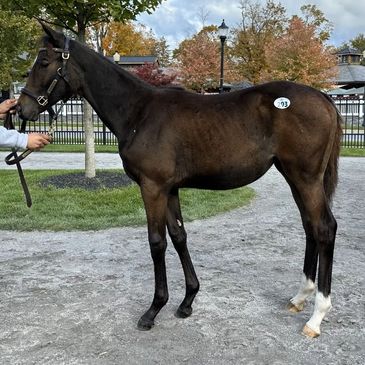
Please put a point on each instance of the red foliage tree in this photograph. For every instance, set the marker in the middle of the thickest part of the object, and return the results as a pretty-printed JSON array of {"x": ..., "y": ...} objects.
[{"x": 153, "y": 75}]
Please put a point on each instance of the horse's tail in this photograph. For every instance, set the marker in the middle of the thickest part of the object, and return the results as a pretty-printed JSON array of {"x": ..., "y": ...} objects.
[{"x": 331, "y": 173}]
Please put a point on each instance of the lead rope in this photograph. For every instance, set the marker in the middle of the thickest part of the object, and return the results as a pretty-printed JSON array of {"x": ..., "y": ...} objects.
[{"x": 15, "y": 159}]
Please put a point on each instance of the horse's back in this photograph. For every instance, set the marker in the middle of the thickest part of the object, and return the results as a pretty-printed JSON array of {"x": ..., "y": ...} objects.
[{"x": 230, "y": 140}]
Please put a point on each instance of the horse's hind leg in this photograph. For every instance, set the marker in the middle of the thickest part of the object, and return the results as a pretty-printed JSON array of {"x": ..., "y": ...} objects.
[
  {"x": 177, "y": 233},
  {"x": 321, "y": 229},
  {"x": 307, "y": 287},
  {"x": 155, "y": 201}
]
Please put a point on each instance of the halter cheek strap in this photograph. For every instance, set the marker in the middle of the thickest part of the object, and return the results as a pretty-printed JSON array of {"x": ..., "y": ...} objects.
[{"x": 42, "y": 100}]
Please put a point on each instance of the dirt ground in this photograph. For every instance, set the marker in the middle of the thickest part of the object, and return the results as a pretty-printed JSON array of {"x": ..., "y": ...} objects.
[{"x": 75, "y": 297}]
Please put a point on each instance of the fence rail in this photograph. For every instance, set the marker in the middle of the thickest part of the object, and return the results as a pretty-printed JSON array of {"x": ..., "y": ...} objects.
[
  {"x": 351, "y": 108},
  {"x": 69, "y": 127}
]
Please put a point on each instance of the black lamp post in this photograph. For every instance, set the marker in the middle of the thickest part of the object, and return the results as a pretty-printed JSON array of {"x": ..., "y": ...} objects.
[{"x": 222, "y": 32}]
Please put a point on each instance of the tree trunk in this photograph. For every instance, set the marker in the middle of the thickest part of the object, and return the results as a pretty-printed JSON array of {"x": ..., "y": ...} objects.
[
  {"x": 88, "y": 126},
  {"x": 89, "y": 140}
]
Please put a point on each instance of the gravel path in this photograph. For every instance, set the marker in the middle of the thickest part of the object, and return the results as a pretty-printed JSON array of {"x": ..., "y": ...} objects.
[{"x": 75, "y": 297}]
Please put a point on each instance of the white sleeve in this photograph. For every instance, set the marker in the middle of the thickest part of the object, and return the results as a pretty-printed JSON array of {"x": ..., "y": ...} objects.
[{"x": 12, "y": 138}]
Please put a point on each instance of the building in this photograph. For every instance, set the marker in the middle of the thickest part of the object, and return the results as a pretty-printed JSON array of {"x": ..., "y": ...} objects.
[
  {"x": 351, "y": 73},
  {"x": 134, "y": 61},
  {"x": 349, "y": 96}
]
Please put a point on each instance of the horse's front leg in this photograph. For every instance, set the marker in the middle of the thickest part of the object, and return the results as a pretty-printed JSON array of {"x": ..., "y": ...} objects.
[
  {"x": 155, "y": 201},
  {"x": 177, "y": 233}
]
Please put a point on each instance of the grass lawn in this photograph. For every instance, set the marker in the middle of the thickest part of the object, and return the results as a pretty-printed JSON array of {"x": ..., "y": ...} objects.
[
  {"x": 353, "y": 152},
  {"x": 79, "y": 209},
  {"x": 345, "y": 151}
]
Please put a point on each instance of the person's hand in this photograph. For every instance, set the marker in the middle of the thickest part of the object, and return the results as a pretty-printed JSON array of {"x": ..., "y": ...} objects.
[
  {"x": 37, "y": 141},
  {"x": 5, "y": 106}
]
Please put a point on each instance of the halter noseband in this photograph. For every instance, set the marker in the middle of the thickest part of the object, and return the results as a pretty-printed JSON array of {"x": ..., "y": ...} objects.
[{"x": 42, "y": 100}]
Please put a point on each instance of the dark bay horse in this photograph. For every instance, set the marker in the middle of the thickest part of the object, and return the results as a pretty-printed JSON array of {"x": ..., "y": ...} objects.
[{"x": 171, "y": 138}]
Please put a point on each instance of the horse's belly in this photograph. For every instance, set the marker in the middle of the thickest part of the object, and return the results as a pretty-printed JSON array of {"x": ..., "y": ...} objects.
[{"x": 226, "y": 178}]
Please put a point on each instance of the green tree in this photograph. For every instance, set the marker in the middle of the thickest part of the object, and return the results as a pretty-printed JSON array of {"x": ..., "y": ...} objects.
[
  {"x": 160, "y": 48},
  {"x": 313, "y": 16},
  {"x": 76, "y": 16},
  {"x": 359, "y": 43},
  {"x": 18, "y": 36}
]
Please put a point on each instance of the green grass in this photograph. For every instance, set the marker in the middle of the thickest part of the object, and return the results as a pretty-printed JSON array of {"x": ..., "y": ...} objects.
[
  {"x": 345, "y": 151},
  {"x": 77, "y": 209},
  {"x": 352, "y": 152},
  {"x": 74, "y": 148},
  {"x": 79, "y": 148}
]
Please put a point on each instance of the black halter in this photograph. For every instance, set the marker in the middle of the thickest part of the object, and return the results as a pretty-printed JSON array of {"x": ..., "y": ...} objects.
[{"x": 42, "y": 100}]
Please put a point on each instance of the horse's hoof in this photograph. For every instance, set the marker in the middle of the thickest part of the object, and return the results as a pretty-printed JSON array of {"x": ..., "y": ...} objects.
[
  {"x": 183, "y": 313},
  {"x": 145, "y": 324},
  {"x": 295, "y": 308},
  {"x": 309, "y": 332}
]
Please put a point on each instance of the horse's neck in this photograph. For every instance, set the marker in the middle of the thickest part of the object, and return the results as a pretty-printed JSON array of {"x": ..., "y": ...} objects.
[{"x": 114, "y": 94}]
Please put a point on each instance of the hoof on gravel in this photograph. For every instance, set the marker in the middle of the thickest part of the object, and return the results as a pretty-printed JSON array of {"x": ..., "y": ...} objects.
[
  {"x": 183, "y": 313},
  {"x": 295, "y": 308},
  {"x": 145, "y": 324},
  {"x": 309, "y": 332}
]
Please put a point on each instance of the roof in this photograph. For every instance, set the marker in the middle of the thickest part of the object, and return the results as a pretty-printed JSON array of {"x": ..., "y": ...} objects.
[
  {"x": 350, "y": 74},
  {"x": 241, "y": 85},
  {"x": 135, "y": 60},
  {"x": 349, "y": 51},
  {"x": 353, "y": 91}
]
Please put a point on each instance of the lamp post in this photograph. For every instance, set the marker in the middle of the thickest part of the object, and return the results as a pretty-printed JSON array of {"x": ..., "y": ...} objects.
[{"x": 222, "y": 33}]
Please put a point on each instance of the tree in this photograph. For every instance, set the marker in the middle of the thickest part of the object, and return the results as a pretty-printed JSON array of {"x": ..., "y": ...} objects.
[
  {"x": 359, "y": 43},
  {"x": 127, "y": 39},
  {"x": 161, "y": 49},
  {"x": 313, "y": 16},
  {"x": 259, "y": 26},
  {"x": 150, "y": 73},
  {"x": 199, "y": 61},
  {"x": 299, "y": 55},
  {"x": 18, "y": 36},
  {"x": 76, "y": 16},
  {"x": 134, "y": 39}
]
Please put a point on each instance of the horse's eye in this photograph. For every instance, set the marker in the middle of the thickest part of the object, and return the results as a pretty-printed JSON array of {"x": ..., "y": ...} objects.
[{"x": 44, "y": 62}]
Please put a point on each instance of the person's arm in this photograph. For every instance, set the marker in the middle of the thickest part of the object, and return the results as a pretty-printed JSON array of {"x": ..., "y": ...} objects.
[{"x": 12, "y": 139}]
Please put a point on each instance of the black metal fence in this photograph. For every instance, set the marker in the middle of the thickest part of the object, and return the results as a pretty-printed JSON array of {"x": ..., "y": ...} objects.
[
  {"x": 69, "y": 127},
  {"x": 351, "y": 108}
]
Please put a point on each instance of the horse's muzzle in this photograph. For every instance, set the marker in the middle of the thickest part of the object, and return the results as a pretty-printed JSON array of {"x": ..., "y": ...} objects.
[{"x": 26, "y": 113}]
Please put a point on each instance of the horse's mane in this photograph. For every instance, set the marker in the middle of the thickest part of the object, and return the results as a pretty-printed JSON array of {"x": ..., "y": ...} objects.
[{"x": 91, "y": 53}]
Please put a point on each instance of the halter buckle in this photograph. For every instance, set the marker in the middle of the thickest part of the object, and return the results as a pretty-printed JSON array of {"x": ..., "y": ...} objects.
[
  {"x": 65, "y": 55},
  {"x": 42, "y": 100}
]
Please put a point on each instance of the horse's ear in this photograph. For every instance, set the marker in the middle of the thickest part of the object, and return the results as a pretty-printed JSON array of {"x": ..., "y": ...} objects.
[{"x": 56, "y": 38}]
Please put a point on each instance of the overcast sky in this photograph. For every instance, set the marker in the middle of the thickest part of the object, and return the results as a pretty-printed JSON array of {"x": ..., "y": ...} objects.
[{"x": 179, "y": 19}]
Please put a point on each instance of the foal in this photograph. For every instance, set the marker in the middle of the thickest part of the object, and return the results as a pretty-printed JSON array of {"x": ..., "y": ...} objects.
[{"x": 170, "y": 139}]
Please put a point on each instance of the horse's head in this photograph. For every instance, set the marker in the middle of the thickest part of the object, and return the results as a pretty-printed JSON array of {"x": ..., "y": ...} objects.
[{"x": 48, "y": 79}]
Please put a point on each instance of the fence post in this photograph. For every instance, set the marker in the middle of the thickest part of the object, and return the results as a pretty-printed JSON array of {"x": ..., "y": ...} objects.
[{"x": 104, "y": 134}]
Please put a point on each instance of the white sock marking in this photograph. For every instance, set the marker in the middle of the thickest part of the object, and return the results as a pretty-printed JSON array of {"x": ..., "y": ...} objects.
[
  {"x": 306, "y": 289},
  {"x": 321, "y": 307}
]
